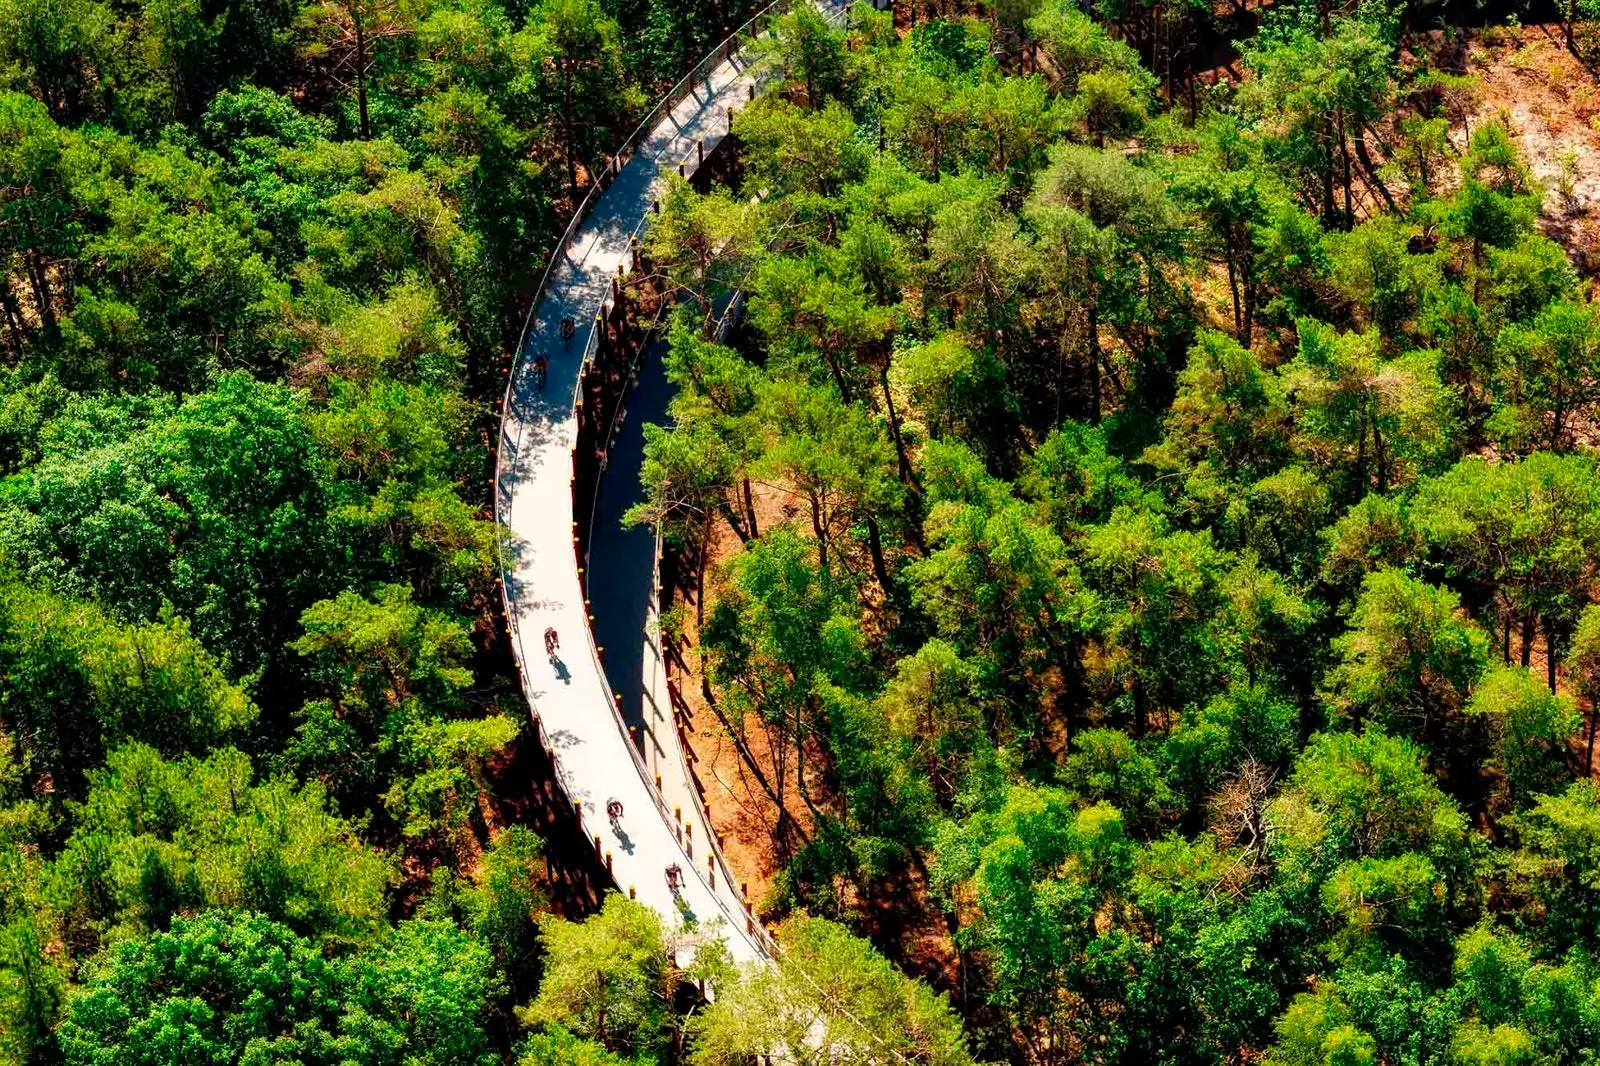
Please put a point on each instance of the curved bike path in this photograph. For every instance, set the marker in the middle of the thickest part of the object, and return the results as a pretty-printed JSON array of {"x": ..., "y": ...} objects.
[{"x": 594, "y": 759}]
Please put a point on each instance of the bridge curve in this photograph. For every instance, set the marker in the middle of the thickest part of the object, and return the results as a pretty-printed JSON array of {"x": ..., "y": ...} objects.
[{"x": 575, "y": 713}]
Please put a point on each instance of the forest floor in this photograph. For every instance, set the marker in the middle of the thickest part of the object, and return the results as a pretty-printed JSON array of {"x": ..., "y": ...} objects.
[
  {"x": 900, "y": 917},
  {"x": 743, "y": 814},
  {"x": 1550, "y": 102}
]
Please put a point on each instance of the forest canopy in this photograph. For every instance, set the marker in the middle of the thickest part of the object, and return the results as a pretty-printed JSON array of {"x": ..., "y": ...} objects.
[{"x": 1136, "y": 543}]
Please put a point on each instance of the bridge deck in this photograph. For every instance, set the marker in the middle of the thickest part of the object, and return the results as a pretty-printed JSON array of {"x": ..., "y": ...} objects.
[{"x": 595, "y": 760}]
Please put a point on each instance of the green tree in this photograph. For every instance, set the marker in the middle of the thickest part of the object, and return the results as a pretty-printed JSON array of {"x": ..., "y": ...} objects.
[
  {"x": 806, "y": 52},
  {"x": 1530, "y": 726},
  {"x": 157, "y": 839},
  {"x": 582, "y": 57},
  {"x": 395, "y": 727},
  {"x": 1229, "y": 413},
  {"x": 1375, "y": 420},
  {"x": 1524, "y": 532},
  {"x": 1562, "y": 874},
  {"x": 1407, "y": 661},
  {"x": 836, "y": 458},
  {"x": 609, "y": 978},
  {"x": 1316, "y": 94},
  {"x": 1583, "y": 668},
  {"x": 223, "y": 986},
  {"x": 782, "y": 636},
  {"x": 1549, "y": 376},
  {"x": 80, "y": 684},
  {"x": 834, "y": 996}
]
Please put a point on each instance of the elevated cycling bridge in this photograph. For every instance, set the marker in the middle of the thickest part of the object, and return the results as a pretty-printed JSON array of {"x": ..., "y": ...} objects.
[{"x": 545, "y": 577}]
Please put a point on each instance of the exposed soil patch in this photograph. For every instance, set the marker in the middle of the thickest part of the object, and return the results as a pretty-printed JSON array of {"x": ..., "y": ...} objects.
[
  {"x": 1551, "y": 104},
  {"x": 742, "y": 813}
]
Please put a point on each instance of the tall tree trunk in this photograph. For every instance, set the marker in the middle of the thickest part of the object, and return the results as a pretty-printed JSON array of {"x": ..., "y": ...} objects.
[
  {"x": 40, "y": 283},
  {"x": 1233, "y": 291},
  {"x": 1373, "y": 178},
  {"x": 839, "y": 378},
  {"x": 1349, "y": 199},
  {"x": 1094, "y": 362},
  {"x": 1551, "y": 639},
  {"x": 1588, "y": 751},
  {"x": 742, "y": 746},
  {"x": 1330, "y": 213},
  {"x": 820, "y": 531},
  {"x": 901, "y": 459},
  {"x": 1380, "y": 457},
  {"x": 879, "y": 567},
  {"x": 14, "y": 321},
  {"x": 1249, "y": 271},
  {"x": 361, "y": 71},
  {"x": 750, "y": 509},
  {"x": 570, "y": 135},
  {"x": 701, "y": 563}
]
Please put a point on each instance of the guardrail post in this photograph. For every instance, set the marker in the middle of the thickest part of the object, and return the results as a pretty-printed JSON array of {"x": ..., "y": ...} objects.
[
  {"x": 632, "y": 893},
  {"x": 752, "y": 90},
  {"x": 700, "y": 152},
  {"x": 655, "y": 207},
  {"x": 633, "y": 251},
  {"x": 680, "y": 170}
]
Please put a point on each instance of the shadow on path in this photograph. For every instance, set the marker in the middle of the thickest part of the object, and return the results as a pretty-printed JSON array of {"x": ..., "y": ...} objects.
[{"x": 623, "y": 560}]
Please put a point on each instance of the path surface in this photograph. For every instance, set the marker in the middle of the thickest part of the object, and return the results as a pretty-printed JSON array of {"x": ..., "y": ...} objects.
[{"x": 570, "y": 697}]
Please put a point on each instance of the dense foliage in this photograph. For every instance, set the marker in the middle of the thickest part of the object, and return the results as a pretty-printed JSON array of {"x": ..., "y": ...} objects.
[
  {"x": 1152, "y": 531},
  {"x": 1141, "y": 537},
  {"x": 262, "y": 264}
]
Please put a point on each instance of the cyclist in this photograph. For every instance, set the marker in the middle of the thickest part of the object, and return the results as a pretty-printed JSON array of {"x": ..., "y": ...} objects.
[
  {"x": 540, "y": 366},
  {"x": 568, "y": 328},
  {"x": 674, "y": 877},
  {"x": 614, "y": 809},
  {"x": 552, "y": 643}
]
